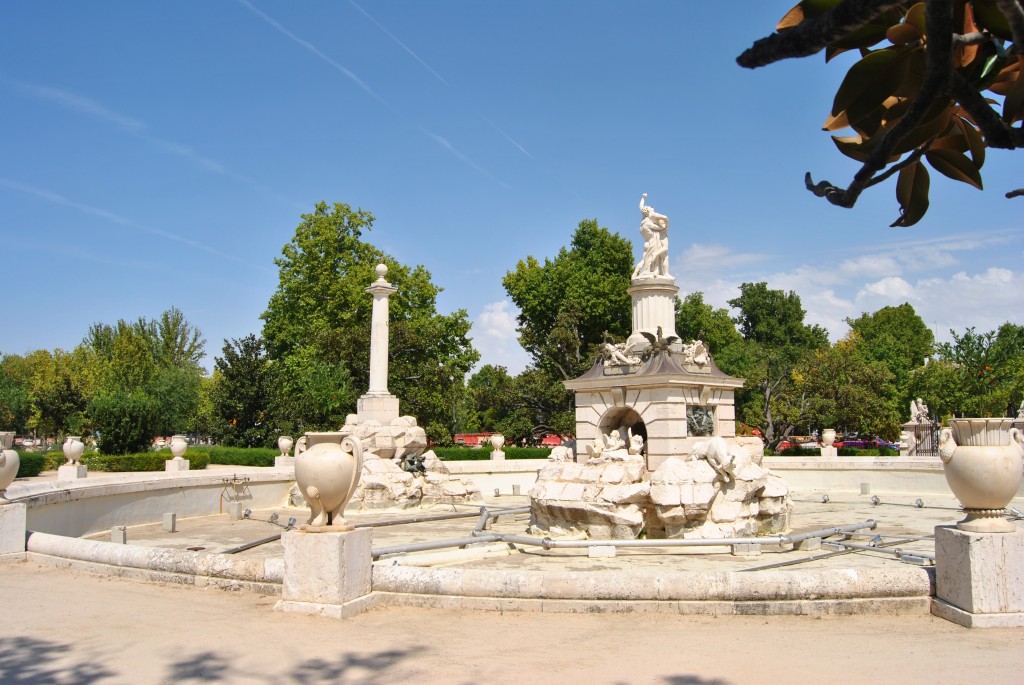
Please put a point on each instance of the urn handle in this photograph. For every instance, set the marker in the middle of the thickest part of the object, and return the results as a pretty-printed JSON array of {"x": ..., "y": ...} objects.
[{"x": 946, "y": 445}]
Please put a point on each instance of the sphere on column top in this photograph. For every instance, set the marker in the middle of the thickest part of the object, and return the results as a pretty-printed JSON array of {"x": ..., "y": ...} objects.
[{"x": 381, "y": 270}]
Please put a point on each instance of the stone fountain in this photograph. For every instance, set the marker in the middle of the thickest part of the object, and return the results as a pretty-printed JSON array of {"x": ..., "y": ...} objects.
[{"x": 655, "y": 419}]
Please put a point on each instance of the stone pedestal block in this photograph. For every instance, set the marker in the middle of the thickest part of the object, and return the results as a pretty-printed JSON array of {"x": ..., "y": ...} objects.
[
  {"x": 327, "y": 573},
  {"x": 72, "y": 471},
  {"x": 978, "y": 578},
  {"x": 382, "y": 408},
  {"x": 829, "y": 452},
  {"x": 497, "y": 455},
  {"x": 12, "y": 528},
  {"x": 175, "y": 465},
  {"x": 284, "y": 461}
]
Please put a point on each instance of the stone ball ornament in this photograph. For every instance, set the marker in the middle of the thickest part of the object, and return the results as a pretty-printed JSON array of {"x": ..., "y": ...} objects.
[{"x": 327, "y": 474}]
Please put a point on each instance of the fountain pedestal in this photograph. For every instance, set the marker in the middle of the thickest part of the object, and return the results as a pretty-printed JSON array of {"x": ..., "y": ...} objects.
[
  {"x": 327, "y": 573},
  {"x": 977, "y": 578}
]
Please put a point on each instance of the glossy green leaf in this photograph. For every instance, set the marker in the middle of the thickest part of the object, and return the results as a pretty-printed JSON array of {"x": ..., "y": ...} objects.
[
  {"x": 987, "y": 15},
  {"x": 974, "y": 141},
  {"x": 955, "y": 165},
  {"x": 912, "y": 193},
  {"x": 915, "y": 17},
  {"x": 1013, "y": 103},
  {"x": 869, "y": 82},
  {"x": 852, "y": 146}
]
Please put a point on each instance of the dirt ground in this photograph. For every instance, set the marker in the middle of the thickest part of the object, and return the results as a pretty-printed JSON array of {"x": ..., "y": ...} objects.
[{"x": 75, "y": 628}]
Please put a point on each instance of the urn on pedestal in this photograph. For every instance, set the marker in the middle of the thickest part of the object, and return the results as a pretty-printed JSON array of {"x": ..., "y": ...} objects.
[
  {"x": 982, "y": 461},
  {"x": 9, "y": 460},
  {"x": 73, "y": 448},
  {"x": 178, "y": 446},
  {"x": 828, "y": 436},
  {"x": 284, "y": 443},
  {"x": 327, "y": 474}
]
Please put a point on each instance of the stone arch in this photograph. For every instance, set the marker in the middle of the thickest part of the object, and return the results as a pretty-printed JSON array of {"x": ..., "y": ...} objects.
[{"x": 627, "y": 421}]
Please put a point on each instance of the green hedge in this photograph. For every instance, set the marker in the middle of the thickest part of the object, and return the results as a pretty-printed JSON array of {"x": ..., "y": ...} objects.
[
  {"x": 143, "y": 461},
  {"x": 470, "y": 454},
  {"x": 797, "y": 451},
  {"x": 30, "y": 464},
  {"x": 236, "y": 456},
  {"x": 868, "y": 452}
]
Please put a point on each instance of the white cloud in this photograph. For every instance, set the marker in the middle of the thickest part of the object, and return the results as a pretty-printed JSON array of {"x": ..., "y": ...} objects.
[
  {"x": 867, "y": 266},
  {"x": 702, "y": 258},
  {"x": 494, "y": 336}
]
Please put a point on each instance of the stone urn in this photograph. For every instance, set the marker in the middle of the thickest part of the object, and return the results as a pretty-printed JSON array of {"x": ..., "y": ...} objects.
[
  {"x": 983, "y": 461},
  {"x": 9, "y": 461},
  {"x": 178, "y": 446},
  {"x": 327, "y": 474},
  {"x": 828, "y": 436},
  {"x": 497, "y": 441},
  {"x": 284, "y": 443},
  {"x": 73, "y": 448}
]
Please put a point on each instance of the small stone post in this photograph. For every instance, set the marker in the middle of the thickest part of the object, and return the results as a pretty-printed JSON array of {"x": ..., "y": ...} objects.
[
  {"x": 327, "y": 573},
  {"x": 378, "y": 404}
]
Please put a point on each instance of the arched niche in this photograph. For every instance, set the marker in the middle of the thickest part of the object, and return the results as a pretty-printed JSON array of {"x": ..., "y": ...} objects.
[{"x": 625, "y": 420}]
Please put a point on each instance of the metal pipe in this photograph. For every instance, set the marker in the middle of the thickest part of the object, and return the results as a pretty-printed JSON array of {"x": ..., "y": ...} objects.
[
  {"x": 873, "y": 548},
  {"x": 819, "y": 557},
  {"x": 250, "y": 545},
  {"x": 548, "y": 543},
  {"x": 712, "y": 542},
  {"x": 442, "y": 517},
  {"x": 378, "y": 552}
]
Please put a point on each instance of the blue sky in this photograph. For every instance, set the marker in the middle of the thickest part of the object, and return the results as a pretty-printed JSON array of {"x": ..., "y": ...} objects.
[{"x": 159, "y": 154}]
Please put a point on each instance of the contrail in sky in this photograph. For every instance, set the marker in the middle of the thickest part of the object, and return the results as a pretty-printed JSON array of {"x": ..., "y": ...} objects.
[
  {"x": 370, "y": 91},
  {"x": 57, "y": 199},
  {"x": 400, "y": 43},
  {"x": 316, "y": 51},
  {"x": 85, "y": 105}
]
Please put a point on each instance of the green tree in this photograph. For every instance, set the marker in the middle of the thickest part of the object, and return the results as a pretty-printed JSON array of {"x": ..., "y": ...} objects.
[
  {"x": 56, "y": 392},
  {"x": 697, "y": 319},
  {"x": 848, "y": 392},
  {"x": 976, "y": 374},
  {"x": 15, "y": 386},
  {"x": 566, "y": 305},
  {"x": 777, "y": 340},
  {"x": 926, "y": 95},
  {"x": 898, "y": 338},
  {"x": 242, "y": 396},
  {"x": 320, "y": 311}
]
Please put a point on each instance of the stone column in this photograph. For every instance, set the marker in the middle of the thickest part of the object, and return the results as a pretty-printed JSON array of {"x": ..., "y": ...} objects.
[
  {"x": 654, "y": 306},
  {"x": 13, "y": 518},
  {"x": 378, "y": 404}
]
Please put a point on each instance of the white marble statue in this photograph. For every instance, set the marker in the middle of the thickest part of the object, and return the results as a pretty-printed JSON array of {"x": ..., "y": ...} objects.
[
  {"x": 636, "y": 442},
  {"x": 696, "y": 353},
  {"x": 654, "y": 230},
  {"x": 613, "y": 441},
  {"x": 1020, "y": 410},
  {"x": 919, "y": 411},
  {"x": 615, "y": 354}
]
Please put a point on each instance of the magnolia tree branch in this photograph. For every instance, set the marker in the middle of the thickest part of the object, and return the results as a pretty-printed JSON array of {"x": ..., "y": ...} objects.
[
  {"x": 1014, "y": 12},
  {"x": 997, "y": 133},
  {"x": 1015, "y": 193},
  {"x": 938, "y": 69},
  {"x": 814, "y": 35}
]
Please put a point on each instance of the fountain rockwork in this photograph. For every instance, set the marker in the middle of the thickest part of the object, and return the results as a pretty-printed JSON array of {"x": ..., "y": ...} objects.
[{"x": 655, "y": 426}]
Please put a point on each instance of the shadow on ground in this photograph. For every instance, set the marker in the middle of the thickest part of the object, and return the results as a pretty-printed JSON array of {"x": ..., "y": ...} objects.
[
  {"x": 371, "y": 669},
  {"x": 28, "y": 661}
]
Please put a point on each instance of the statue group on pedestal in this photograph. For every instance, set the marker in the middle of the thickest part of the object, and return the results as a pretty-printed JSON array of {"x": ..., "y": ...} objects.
[{"x": 654, "y": 230}]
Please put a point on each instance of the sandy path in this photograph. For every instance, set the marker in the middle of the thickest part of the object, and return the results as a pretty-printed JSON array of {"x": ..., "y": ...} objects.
[{"x": 76, "y": 628}]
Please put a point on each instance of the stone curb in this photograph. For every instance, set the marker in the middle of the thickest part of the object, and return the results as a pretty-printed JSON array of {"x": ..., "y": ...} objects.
[{"x": 771, "y": 586}]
